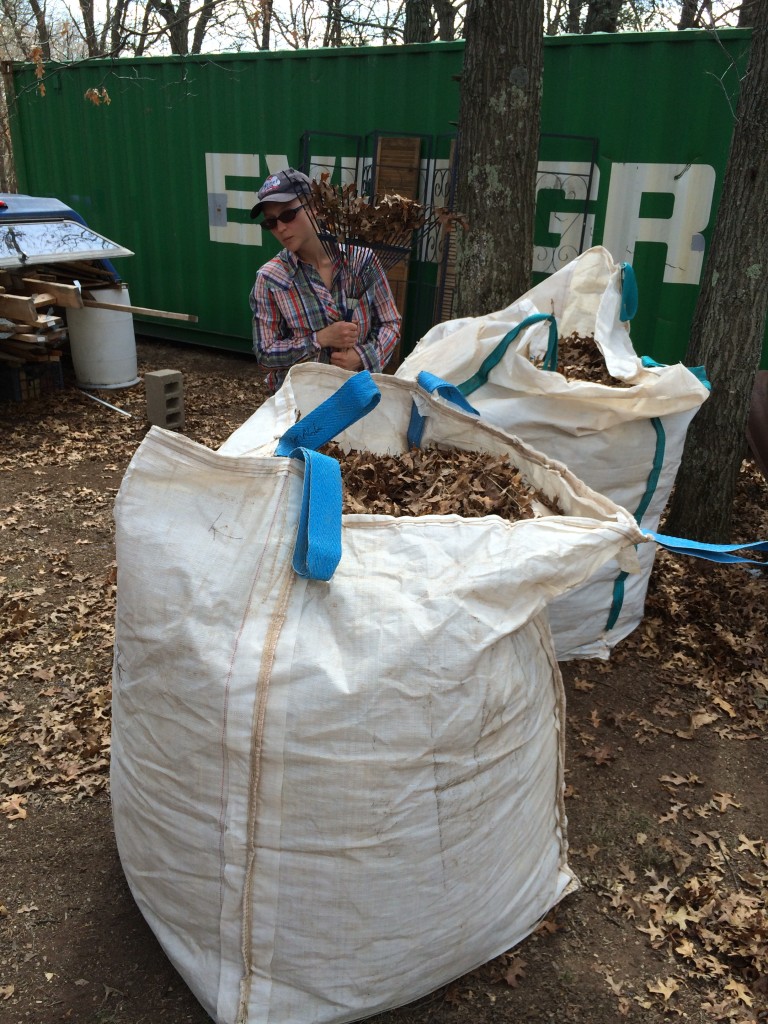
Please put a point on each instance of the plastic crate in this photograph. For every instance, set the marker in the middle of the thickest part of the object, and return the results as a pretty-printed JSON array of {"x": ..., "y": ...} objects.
[{"x": 31, "y": 380}]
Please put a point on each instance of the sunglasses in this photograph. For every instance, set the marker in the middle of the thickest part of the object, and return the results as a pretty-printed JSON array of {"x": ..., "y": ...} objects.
[{"x": 270, "y": 223}]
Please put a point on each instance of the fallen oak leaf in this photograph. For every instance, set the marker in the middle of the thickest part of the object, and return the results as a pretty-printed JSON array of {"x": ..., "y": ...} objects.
[
  {"x": 600, "y": 755},
  {"x": 700, "y": 718},
  {"x": 686, "y": 949},
  {"x": 682, "y": 916},
  {"x": 12, "y": 807},
  {"x": 627, "y": 873},
  {"x": 726, "y": 707},
  {"x": 722, "y": 801},
  {"x": 703, "y": 839},
  {"x": 741, "y": 991},
  {"x": 681, "y": 780},
  {"x": 515, "y": 972},
  {"x": 749, "y": 845},
  {"x": 653, "y": 931},
  {"x": 614, "y": 986},
  {"x": 548, "y": 925},
  {"x": 672, "y": 813},
  {"x": 665, "y": 987}
]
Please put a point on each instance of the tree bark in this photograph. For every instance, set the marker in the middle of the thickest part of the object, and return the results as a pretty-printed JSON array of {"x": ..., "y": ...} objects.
[
  {"x": 446, "y": 19},
  {"x": 42, "y": 28},
  {"x": 689, "y": 14},
  {"x": 729, "y": 322},
  {"x": 603, "y": 16},
  {"x": 89, "y": 28},
  {"x": 574, "y": 15},
  {"x": 418, "y": 21},
  {"x": 748, "y": 13},
  {"x": 266, "y": 22},
  {"x": 498, "y": 151}
]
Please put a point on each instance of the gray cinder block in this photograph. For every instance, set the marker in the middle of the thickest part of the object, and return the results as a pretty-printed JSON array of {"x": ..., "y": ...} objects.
[{"x": 165, "y": 398}]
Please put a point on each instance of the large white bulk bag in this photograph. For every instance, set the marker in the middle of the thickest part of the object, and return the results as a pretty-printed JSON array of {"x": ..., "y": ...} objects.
[
  {"x": 624, "y": 441},
  {"x": 332, "y": 796}
]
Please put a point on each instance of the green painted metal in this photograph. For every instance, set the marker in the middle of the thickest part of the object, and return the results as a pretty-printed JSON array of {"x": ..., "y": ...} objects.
[{"x": 170, "y": 167}]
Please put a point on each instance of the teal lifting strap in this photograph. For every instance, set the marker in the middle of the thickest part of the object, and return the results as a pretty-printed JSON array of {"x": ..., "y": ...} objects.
[
  {"x": 629, "y": 296},
  {"x": 437, "y": 386},
  {"x": 711, "y": 552},
  {"x": 550, "y": 361},
  {"x": 642, "y": 508},
  {"x": 699, "y": 372},
  {"x": 317, "y": 552},
  {"x": 354, "y": 399}
]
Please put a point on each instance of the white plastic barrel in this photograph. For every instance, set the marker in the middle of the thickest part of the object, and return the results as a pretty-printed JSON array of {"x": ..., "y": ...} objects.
[{"x": 103, "y": 343}]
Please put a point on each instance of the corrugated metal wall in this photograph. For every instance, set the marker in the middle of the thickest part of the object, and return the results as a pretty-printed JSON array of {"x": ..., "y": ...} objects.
[{"x": 169, "y": 168}]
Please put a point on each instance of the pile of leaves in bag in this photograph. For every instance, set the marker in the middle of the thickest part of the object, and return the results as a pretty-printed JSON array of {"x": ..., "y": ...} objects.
[
  {"x": 437, "y": 481},
  {"x": 579, "y": 358}
]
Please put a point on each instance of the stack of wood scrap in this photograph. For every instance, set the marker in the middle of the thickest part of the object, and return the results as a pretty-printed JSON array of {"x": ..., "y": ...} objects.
[
  {"x": 33, "y": 329},
  {"x": 32, "y": 337}
]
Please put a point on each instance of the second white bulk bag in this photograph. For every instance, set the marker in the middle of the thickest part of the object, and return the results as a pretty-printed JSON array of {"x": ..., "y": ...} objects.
[{"x": 625, "y": 441}]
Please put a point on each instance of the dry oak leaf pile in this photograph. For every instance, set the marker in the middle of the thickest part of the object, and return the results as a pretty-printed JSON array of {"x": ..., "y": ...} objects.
[
  {"x": 437, "y": 481},
  {"x": 580, "y": 359}
]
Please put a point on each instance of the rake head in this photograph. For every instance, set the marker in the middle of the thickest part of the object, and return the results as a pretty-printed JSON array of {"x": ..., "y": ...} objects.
[{"x": 379, "y": 231}]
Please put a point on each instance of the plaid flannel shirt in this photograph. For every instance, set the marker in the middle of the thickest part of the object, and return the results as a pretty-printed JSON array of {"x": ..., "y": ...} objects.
[{"x": 291, "y": 304}]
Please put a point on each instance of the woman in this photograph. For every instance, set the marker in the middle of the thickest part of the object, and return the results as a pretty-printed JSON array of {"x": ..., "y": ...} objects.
[{"x": 308, "y": 305}]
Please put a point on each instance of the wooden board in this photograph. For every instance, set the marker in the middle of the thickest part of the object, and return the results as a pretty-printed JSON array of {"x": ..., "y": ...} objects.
[
  {"x": 67, "y": 295},
  {"x": 142, "y": 310},
  {"x": 18, "y": 307},
  {"x": 398, "y": 162}
]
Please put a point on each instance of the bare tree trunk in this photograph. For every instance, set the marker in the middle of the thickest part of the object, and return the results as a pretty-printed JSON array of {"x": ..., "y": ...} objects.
[
  {"x": 117, "y": 34},
  {"x": 689, "y": 14},
  {"x": 266, "y": 23},
  {"x": 446, "y": 19},
  {"x": 42, "y": 28},
  {"x": 204, "y": 16},
  {"x": 8, "y": 182},
  {"x": 498, "y": 151},
  {"x": 574, "y": 15},
  {"x": 332, "y": 35},
  {"x": 176, "y": 20},
  {"x": 144, "y": 34},
  {"x": 729, "y": 323},
  {"x": 748, "y": 13},
  {"x": 418, "y": 21},
  {"x": 603, "y": 16}
]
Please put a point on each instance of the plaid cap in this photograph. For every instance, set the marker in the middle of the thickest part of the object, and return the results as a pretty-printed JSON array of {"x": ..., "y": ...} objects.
[{"x": 282, "y": 188}]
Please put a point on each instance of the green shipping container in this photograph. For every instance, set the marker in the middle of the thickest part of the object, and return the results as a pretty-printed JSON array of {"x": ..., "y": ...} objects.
[{"x": 635, "y": 136}]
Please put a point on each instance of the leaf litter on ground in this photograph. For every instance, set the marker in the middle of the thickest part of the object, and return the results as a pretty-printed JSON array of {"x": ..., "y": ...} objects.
[{"x": 695, "y": 892}]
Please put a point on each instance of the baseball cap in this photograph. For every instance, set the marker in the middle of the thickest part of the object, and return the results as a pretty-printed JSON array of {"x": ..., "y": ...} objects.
[{"x": 282, "y": 188}]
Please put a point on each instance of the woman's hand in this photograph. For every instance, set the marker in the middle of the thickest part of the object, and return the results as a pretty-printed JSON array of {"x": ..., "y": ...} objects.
[
  {"x": 340, "y": 335},
  {"x": 347, "y": 359}
]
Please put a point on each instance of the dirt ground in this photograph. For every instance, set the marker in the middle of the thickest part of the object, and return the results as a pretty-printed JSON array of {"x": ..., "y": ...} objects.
[{"x": 667, "y": 763}]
